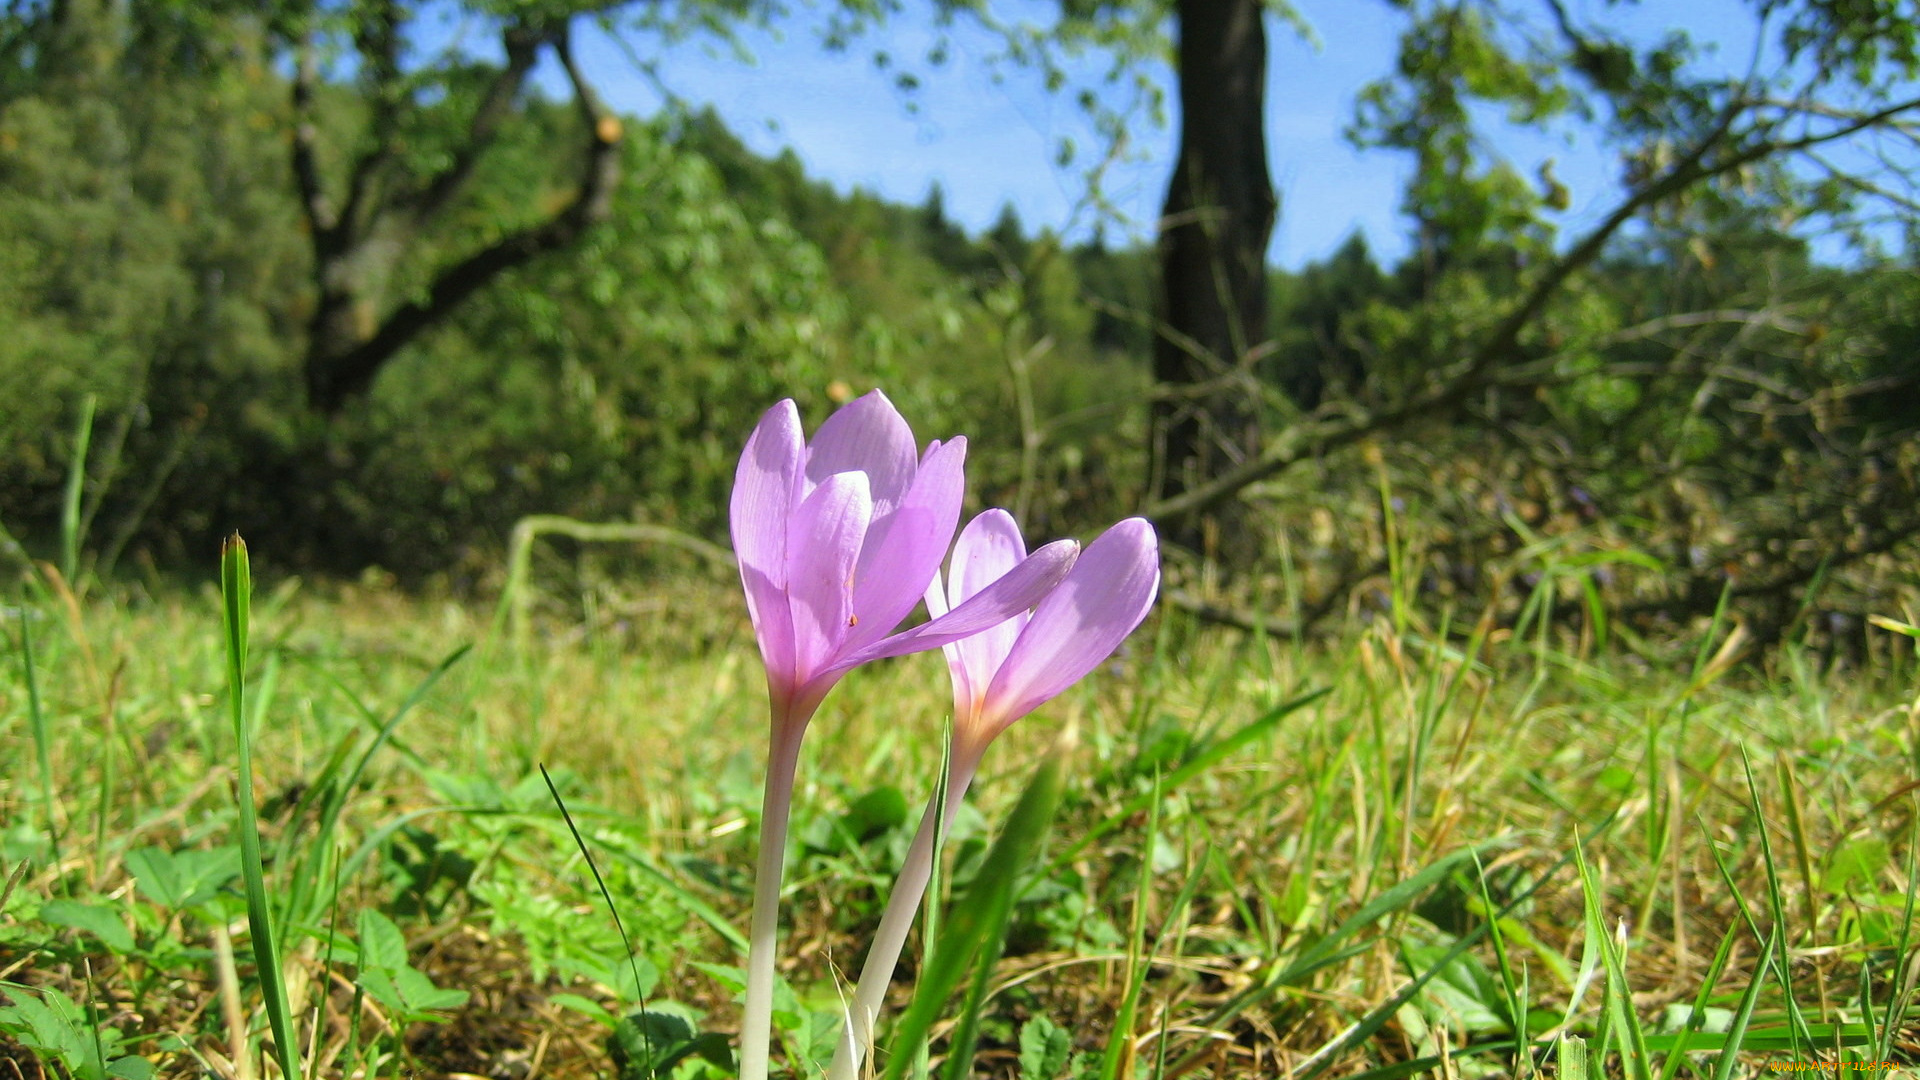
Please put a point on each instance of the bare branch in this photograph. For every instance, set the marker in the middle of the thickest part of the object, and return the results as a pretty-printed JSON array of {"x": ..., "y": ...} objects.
[
  {"x": 378, "y": 39},
  {"x": 351, "y": 374},
  {"x": 321, "y": 216},
  {"x": 1865, "y": 186},
  {"x": 522, "y": 45},
  {"x": 1320, "y": 434},
  {"x": 1542, "y": 370}
]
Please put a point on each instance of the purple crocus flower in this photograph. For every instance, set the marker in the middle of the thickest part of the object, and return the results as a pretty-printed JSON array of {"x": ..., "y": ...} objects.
[
  {"x": 1004, "y": 673},
  {"x": 837, "y": 540},
  {"x": 999, "y": 676}
]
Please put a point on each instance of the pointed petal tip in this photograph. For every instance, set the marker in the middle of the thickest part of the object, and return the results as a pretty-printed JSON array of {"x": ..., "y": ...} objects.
[
  {"x": 952, "y": 450},
  {"x": 1077, "y": 626},
  {"x": 1066, "y": 551},
  {"x": 866, "y": 435},
  {"x": 763, "y": 490}
]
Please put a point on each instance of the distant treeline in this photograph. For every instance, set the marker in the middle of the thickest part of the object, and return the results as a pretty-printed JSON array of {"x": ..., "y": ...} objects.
[
  {"x": 1693, "y": 406},
  {"x": 156, "y": 261}
]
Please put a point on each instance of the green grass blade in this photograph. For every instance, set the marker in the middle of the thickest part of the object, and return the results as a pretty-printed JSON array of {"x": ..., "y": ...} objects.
[
  {"x": 310, "y": 867},
  {"x": 685, "y": 897},
  {"x": 962, "y": 1045},
  {"x": 1570, "y": 1055},
  {"x": 326, "y": 971},
  {"x": 371, "y": 718},
  {"x": 1634, "y": 1054},
  {"x": 1119, "y": 1051},
  {"x": 1772, "y": 1037},
  {"x": 294, "y": 833},
  {"x": 70, "y": 501},
  {"x": 1176, "y": 917},
  {"x": 1802, "y": 848},
  {"x": 1199, "y": 763},
  {"x": 37, "y": 722},
  {"x": 1743, "y": 1015},
  {"x": 1902, "y": 990},
  {"x": 1777, "y": 907},
  {"x": 1705, "y": 652},
  {"x": 385, "y": 732},
  {"x": 1688, "y": 1036},
  {"x": 606, "y": 894},
  {"x": 1335, "y": 946},
  {"x": 979, "y": 919},
  {"x": 1516, "y": 1006},
  {"x": 1733, "y": 887},
  {"x": 236, "y": 589}
]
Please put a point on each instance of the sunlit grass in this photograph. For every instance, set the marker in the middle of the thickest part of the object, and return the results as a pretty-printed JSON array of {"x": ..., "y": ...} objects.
[{"x": 1303, "y": 898}]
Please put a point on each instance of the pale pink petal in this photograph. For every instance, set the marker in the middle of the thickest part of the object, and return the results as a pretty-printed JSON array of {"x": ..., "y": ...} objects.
[
  {"x": 866, "y": 435},
  {"x": 823, "y": 546},
  {"x": 936, "y": 598},
  {"x": 1018, "y": 590},
  {"x": 903, "y": 551},
  {"x": 762, "y": 486},
  {"x": 1080, "y": 623},
  {"x": 988, "y": 548}
]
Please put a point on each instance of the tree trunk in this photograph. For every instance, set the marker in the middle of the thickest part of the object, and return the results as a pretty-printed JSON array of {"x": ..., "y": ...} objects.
[{"x": 1218, "y": 215}]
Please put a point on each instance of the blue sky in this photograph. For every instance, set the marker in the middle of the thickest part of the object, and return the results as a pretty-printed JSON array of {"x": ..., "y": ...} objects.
[{"x": 988, "y": 134}]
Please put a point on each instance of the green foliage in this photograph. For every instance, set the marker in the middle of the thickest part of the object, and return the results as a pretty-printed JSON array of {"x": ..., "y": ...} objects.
[
  {"x": 1046, "y": 1051},
  {"x": 652, "y": 1042},
  {"x": 1451, "y": 57},
  {"x": 383, "y": 971},
  {"x": 180, "y": 880},
  {"x": 160, "y": 270},
  {"x": 1672, "y": 381},
  {"x": 53, "y": 1025}
]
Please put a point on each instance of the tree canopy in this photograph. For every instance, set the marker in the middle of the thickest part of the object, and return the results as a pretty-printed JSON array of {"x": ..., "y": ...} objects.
[{"x": 371, "y": 295}]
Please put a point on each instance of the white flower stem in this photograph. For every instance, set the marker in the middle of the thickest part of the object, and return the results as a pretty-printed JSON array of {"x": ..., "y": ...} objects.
[
  {"x": 756, "y": 1022},
  {"x": 883, "y": 954}
]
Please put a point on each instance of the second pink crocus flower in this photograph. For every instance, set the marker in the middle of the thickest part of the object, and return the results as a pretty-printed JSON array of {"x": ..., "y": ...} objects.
[{"x": 1000, "y": 675}]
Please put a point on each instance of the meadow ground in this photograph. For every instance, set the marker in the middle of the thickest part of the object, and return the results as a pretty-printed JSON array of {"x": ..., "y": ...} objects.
[{"x": 1381, "y": 853}]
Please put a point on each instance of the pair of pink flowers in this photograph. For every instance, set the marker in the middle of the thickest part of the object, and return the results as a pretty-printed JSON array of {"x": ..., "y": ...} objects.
[{"x": 838, "y": 540}]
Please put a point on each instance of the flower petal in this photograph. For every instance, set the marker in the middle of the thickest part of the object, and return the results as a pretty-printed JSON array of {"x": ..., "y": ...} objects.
[
  {"x": 762, "y": 487},
  {"x": 1080, "y": 623},
  {"x": 903, "y": 551},
  {"x": 866, "y": 435},
  {"x": 823, "y": 547},
  {"x": 956, "y": 670},
  {"x": 1018, "y": 590},
  {"x": 988, "y": 548}
]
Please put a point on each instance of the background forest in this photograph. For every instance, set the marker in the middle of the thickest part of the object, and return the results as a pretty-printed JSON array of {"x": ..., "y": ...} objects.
[
  {"x": 220, "y": 226},
  {"x": 1533, "y": 665}
]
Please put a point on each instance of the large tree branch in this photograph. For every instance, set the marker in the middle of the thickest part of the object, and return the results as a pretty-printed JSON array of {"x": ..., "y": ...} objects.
[
  {"x": 351, "y": 374},
  {"x": 1543, "y": 370},
  {"x": 321, "y": 216},
  {"x": 1339, "y": 425},
  {"x": 378, "y": 39},
  {"x": 522, "y": 44}
]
